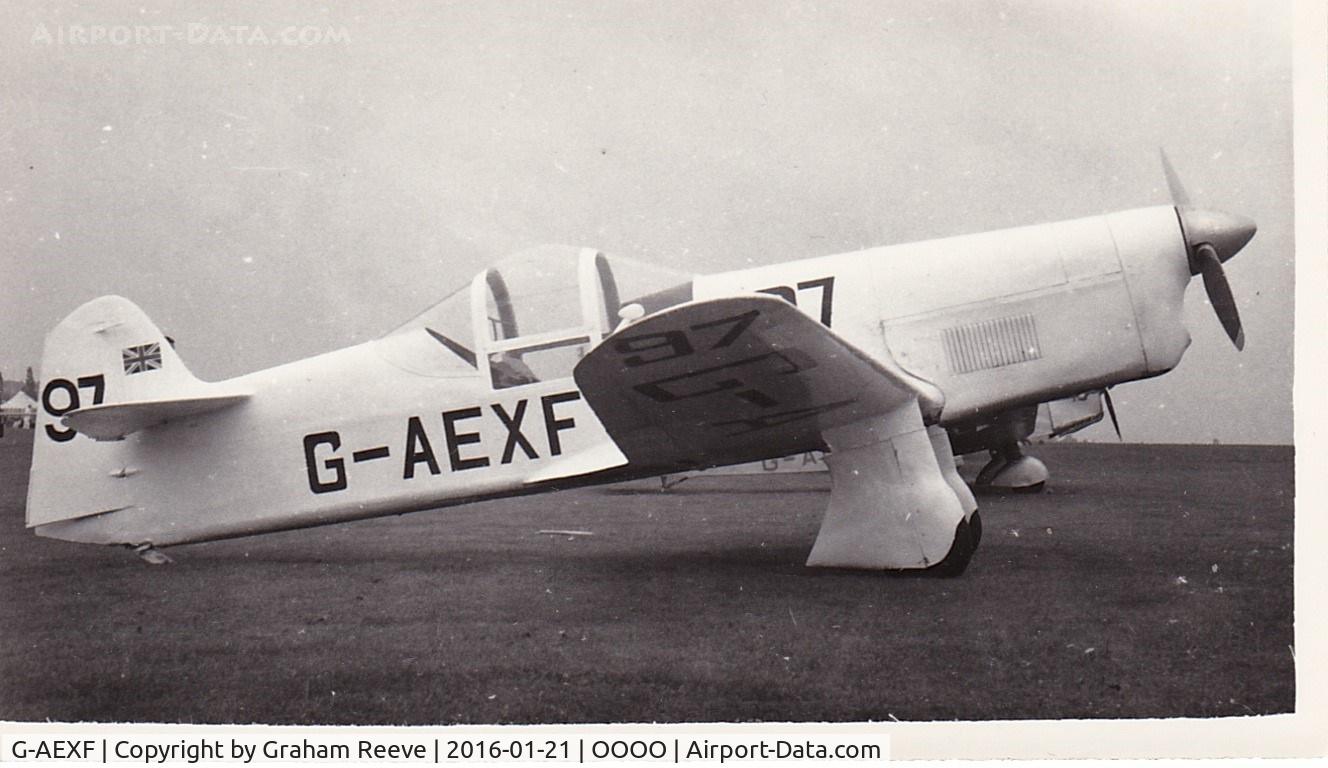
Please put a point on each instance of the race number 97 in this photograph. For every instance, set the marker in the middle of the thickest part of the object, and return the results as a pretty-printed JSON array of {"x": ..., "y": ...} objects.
[
  {"x": 820, "y": 290},
  {"x": 60, "y": 396}
]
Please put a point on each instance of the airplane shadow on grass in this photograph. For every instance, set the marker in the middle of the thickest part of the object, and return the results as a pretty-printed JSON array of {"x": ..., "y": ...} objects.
[{"x": 700, "y": 491}]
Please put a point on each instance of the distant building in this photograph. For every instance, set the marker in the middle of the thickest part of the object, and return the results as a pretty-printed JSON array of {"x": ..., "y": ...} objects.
[
  {"x": 9, "y": 388},
  {"x": 19, "y": 410}
]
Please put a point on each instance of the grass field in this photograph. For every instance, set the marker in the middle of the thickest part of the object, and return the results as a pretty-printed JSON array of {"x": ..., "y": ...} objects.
[{"x": 1149, "y": 581}]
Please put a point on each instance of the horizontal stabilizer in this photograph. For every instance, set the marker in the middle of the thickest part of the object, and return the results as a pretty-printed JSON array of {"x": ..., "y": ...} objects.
[{"x": 112, "y": 422}]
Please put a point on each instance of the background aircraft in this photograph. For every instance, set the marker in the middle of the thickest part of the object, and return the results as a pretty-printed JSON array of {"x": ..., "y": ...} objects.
[
  {"x": 563, "y": 366},
  {"x": 1047, "y": 421}
]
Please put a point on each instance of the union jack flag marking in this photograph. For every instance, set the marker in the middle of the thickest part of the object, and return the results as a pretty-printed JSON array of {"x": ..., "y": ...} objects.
[{"x": 145, "y": 357}]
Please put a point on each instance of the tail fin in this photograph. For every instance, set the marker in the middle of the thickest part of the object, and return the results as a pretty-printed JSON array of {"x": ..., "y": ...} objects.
[{"x": 108, "y": 372}]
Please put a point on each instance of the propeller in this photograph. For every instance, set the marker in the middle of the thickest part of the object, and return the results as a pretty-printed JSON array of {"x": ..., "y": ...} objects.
[
  {"x": 1219, "y": 292},
  {"x": 1111, "y": 411},
  {"x": 1178, "y": 196},
  {"x": 1211, "y": 237}
]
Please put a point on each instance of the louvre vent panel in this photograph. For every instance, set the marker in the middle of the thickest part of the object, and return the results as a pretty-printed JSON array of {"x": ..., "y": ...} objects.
[{"x": 992, "y": 344}]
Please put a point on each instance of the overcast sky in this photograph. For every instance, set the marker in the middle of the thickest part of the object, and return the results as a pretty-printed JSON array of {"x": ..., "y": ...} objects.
[{"x": 264, "y": 202}]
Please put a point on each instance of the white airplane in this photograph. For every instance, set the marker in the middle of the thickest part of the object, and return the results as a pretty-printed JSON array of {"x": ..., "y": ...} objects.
[{"x": 560, "y": 367}]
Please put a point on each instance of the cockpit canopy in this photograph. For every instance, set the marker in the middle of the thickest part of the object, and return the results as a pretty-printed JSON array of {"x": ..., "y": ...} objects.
[{"x": 531, "y": 316}]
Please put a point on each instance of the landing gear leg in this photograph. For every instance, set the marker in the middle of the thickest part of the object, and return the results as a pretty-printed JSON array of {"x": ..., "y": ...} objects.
[
  {"x": 891, "y": 506},
  {"x": 940, "y": 445}
]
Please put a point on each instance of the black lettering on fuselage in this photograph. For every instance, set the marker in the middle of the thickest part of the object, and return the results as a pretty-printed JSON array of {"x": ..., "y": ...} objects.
[
  {"x": 418, "y": 449},
  {"x": 514, "y": 436},
  {"x": 329, "y": 471},
  {"x": 782, "y": 291},
  {"x": 56, "y": 410},
  {"x": 72, "y": 402},
  {"x": 455, "y": 440},
  {"x": 337, "y": 465},
  {"x": 552, "y": 424},
  {"x": 826, "y": 287}
]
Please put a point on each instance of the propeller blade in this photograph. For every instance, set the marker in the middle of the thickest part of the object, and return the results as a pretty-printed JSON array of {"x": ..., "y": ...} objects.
[
  {"x": 1179, "y": 198},
  {"x": 1219, "y": 292},
  {"x": 1111, "y": 411}
]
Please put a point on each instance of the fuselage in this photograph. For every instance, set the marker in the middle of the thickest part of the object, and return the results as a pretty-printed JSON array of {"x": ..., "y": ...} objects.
[{"x": 993, "y": 320}]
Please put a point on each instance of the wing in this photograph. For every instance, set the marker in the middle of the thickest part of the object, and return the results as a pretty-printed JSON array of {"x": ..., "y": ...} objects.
[{"x": 736, "y": 379}]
